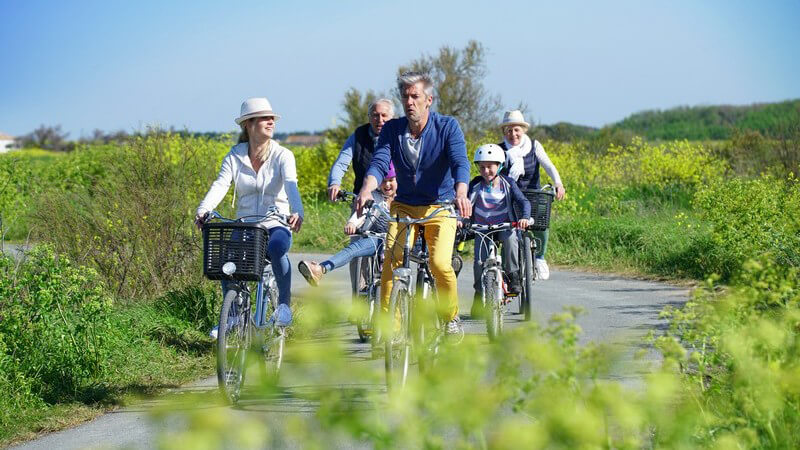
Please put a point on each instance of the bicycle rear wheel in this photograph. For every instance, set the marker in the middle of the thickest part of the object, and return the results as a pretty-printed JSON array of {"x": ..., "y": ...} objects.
[
  {"x": 272, "y": 351},
  {"x": 526, "y": 247},
  {"x": 274, "y": 338},
  {"x": 424, "y": 320},
  {"x": 233, "y": 343},
  {"x": 397, "y": 340},
  {"x": 492, "y": 298}
]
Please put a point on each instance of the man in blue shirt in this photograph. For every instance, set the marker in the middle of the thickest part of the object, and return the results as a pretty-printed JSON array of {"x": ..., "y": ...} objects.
[
  {"x": 430, "y": 157},
  {"x": 358, "y": 149}
]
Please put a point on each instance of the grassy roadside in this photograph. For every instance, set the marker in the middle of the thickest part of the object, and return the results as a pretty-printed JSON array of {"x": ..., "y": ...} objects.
[
  {"x": 153, "y": 353},
  {"x": 71, "y": 353}
]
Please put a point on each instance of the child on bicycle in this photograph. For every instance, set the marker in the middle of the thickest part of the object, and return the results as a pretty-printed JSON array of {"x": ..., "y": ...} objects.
[
  {"x": 382, "y": 196},
  {"x": 493, "y": 197}
]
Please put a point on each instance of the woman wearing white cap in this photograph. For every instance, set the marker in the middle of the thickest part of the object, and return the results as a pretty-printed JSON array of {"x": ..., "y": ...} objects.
[
  {"x": 523, "y": 159},
  {"x": 264, "y": 174}
]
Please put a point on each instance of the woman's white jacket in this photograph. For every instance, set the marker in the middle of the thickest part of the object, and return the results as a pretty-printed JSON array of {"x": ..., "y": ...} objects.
[{"x": 274, "y": 184}]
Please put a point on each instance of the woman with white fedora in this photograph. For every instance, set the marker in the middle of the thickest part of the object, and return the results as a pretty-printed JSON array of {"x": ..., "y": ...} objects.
[
  {"x": 264, "y": 174},
  {"x": 524, "y": 157}
]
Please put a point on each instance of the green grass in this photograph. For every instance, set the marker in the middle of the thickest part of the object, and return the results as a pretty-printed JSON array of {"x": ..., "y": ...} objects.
[
  {"x": 151, "y": 350},
  {"x": 323, "y": 227}
]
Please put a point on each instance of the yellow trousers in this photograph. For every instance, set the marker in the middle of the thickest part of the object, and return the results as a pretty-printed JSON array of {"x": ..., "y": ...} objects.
[{"x": 440, "y": 234}]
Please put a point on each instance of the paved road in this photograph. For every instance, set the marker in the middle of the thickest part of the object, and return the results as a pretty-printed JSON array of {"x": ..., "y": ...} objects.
[{"x": 617, "y": 309}]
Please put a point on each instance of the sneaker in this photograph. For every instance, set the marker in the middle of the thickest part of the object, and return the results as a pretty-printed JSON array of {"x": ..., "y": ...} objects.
[
  {"x": 454, "y": 331},
  {"x": 282, "y": 317},
  {"x": 311, "y": 271},
  {"x": 542, "y": 270},
  {"x": 214, "y": 332}
]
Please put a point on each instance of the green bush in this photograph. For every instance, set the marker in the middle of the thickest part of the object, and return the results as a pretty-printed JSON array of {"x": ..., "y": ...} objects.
[
  {"x": 134, "y": 225},
  {"x": 749, "y": 218},
  {"x": 740, "y": 351},
  {"x": 55, "y": 323}
]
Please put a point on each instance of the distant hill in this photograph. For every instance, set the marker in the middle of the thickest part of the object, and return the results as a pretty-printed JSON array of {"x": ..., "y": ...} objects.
[{"x": 713, "y": 122}]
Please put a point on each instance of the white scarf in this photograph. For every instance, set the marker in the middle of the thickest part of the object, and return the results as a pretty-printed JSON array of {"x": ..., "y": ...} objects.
[{"x": 515, "y": 155}]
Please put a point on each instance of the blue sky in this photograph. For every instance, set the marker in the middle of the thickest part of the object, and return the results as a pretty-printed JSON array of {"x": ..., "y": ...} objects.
[{"x": 126, "y": 65}]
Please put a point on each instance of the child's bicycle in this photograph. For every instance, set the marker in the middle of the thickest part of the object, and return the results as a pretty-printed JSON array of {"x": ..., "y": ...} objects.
[
  {"x": 367, "y": 299},
  {"x": 494, "y": 295},
  {"x": 235, "y": 251}
]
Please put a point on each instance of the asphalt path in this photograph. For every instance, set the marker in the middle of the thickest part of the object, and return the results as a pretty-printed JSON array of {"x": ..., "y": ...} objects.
[{"x": 618, "y": 311}]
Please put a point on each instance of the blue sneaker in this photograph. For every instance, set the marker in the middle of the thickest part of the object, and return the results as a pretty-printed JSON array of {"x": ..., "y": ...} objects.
[{"x": 282, "y": 316}]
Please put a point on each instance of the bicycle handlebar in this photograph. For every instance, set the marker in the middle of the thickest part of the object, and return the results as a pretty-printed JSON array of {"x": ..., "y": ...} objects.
[
  {"x": 449, "y": 207},
  {"x": 271, "y": 214},
  {"x": 495, "y": 227},
  {"x": 343, "y": 196}
]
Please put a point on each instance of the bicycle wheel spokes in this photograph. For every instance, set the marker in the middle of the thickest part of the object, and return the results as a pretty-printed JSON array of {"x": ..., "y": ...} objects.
[{"x": 233, "y": 343}]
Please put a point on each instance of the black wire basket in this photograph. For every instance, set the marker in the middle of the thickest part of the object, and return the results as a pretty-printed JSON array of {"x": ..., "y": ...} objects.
[
  {"x": 541, "y": 201},
  {"x": 244, "y": 244}
]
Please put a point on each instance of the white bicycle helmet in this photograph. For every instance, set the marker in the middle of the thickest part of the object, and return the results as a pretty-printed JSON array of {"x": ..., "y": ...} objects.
[{"x": 489, "y": 153}]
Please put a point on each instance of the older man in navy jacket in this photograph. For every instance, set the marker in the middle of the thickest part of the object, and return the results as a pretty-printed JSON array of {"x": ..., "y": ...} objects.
[{"x": 430, "y": 157}]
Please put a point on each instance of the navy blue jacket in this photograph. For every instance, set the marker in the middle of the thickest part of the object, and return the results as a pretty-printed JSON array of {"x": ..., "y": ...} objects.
[
  {"x": 517, "y": 197},
  {"x": 442, "y": 160}
]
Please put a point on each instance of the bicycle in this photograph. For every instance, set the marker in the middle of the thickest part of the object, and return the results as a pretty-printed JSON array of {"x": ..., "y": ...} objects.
[
  {"x": 236, "y": 251},
  {"x": 493, "y": 293},
  {"x": 405, "y": 306},
  {"x": 541, "y": 201},
  {"x": 370, "y": 268}
]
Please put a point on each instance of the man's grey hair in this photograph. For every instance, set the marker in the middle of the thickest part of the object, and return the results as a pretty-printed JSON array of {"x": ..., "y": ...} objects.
[
  {"x": 385, "y": 101},
  {"x": 411, "y": 78}
]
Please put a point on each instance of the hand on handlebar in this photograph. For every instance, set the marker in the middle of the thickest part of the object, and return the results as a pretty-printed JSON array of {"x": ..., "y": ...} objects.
[
  {"x": 464, "y": 206},
  {"x": 333, "y": 191},
  {"x": 295, "y": 222},
  {"x": 560, "y": 192},
  {"x": 350, "y": 229},
  {"x": 522, "y": 224},
  {"x": 362, "y": 200},
  {"x": 199, "y": 220}
]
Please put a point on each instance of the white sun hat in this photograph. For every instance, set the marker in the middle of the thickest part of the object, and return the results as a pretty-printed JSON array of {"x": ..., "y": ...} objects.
[
  {"x": 256, "y": 107},
  {"x": 514, "y": 118}
]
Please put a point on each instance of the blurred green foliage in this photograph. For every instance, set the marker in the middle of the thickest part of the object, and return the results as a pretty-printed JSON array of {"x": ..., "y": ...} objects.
[{"x": 726, "y": 378}]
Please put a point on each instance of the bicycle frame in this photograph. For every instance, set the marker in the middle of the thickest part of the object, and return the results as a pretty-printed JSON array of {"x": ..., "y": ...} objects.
[
  {"x": 492, "y": 275},
  {"x": 402, "y": 289}
]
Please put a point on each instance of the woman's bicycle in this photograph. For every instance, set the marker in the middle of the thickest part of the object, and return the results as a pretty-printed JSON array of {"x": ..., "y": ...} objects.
[
  {"x": 411, "y": 327},
  {"x": 493, "y": 293},
  {"x": 541, "y": 201},
  {"x": 369, "y": 267},
  {"x": 235, "y": 251}
]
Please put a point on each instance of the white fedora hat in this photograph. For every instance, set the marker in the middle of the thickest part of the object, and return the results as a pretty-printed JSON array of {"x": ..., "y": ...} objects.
[
  {"x": 256, "y": 107},
  {"x": 514, "y": 118}
]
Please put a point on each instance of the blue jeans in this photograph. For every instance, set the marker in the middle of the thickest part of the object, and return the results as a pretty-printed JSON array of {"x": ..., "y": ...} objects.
[
  {"x": 280, "y": 240},
  {"x": 362, "y": 247}
]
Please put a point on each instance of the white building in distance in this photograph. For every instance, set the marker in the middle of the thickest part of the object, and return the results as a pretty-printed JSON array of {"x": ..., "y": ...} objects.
[{"x": 6, "y": 142}]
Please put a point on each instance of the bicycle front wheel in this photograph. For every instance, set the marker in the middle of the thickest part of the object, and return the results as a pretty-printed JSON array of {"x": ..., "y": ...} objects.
[
  {"x": 233, "y": 343},
  {"x": 493, "y": 300},
  {"x": 397, "y": 337}
]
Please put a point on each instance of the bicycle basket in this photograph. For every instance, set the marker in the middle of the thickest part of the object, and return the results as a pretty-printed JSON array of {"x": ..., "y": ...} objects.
[
  {"x": 244, "y": 244},
  {"x": 540, "y": 208}
]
